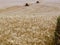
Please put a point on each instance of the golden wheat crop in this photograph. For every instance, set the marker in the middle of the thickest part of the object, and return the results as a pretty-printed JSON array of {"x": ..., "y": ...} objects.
[{"x": 27, "y": 30}]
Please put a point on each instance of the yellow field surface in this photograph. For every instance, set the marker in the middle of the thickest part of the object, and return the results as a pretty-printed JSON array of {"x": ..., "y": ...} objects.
[{"x": 32, "y": 25}]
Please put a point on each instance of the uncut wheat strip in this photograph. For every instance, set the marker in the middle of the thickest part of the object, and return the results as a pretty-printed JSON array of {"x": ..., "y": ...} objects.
[{"x": 27, "y": 30}]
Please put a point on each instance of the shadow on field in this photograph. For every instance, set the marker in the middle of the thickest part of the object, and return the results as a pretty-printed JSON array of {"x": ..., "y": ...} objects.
[{"x": 57, "y": 32}]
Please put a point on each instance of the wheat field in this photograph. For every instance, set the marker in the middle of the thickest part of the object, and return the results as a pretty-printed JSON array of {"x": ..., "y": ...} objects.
[{"x": 33, "y": 25}]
